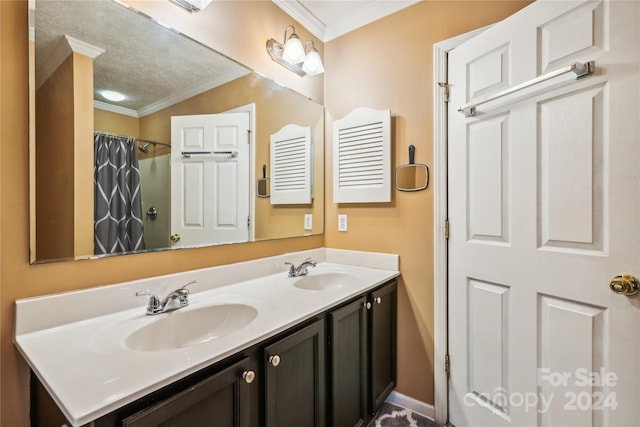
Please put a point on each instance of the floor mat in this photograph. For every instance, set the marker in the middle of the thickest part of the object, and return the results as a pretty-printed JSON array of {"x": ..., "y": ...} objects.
[{"x": 391, "y": 415}]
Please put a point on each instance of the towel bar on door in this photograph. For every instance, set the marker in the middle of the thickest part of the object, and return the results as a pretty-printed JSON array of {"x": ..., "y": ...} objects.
[
  {"x": 231, "y": 154},
  {"x": 580, "y": 69}
]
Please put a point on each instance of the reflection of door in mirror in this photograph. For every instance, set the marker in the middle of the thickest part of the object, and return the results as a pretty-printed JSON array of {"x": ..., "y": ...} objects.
[{"x": 210, "y": 179}]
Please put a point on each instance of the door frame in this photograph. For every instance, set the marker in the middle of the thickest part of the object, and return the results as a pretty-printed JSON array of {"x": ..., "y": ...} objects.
[
  {"x": 251, "y": 110},
  {"x": 440, "y": 215}
]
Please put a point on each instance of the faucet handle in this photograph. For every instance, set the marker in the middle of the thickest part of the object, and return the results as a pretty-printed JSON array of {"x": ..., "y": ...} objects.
[
  {"x": 183, "y": 292},
  {"x": 292, "y": 269},
  {"x": 154, "y": 302},
  {"x": 184, "y": 287}
]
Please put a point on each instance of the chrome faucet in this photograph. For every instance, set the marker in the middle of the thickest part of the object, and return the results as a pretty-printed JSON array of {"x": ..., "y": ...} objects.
[
  {"x": 300, "y": 270},
  {"x": 175, "y": 300}
]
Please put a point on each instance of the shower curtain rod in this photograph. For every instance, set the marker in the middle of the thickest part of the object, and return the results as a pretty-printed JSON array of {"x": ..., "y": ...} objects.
[{"x": 137, "y": 139}]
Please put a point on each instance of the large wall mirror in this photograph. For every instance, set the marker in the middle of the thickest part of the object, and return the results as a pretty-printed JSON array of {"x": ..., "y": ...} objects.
[{"x": 142, "y": 139}]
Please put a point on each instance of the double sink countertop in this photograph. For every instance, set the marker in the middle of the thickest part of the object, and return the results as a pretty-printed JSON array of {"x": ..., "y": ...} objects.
[{"x": 96, "y": 350}]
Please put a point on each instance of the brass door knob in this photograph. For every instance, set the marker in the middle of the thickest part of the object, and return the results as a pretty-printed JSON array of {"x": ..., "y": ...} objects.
[
  {"x": 625, "y": 284},
  {"x": 175, "y": 238}
]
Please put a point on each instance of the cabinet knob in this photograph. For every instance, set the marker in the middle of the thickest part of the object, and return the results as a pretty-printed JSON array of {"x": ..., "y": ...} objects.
[
  {"x": 249, "y": 376},
  {"x": 378, "y": 300},
  {"x": 274, "y": 360},
  {"x": 366, "y": 305}
]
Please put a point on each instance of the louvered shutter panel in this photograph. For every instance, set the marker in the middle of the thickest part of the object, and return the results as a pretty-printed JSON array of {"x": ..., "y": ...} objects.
[
  {"x": 362, "y": 157},
  {"x": 291, "y": 166}
]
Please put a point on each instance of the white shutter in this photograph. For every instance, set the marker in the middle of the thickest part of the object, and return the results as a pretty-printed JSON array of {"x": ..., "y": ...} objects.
[
  {"x": 362, "y": 157},
  {"x": 291, "y": 166}
]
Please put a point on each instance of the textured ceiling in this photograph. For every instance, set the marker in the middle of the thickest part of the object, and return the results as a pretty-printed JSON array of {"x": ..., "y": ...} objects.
[
  {"x": 154, "y": 66},
  {"x": 147, "y": 62}
]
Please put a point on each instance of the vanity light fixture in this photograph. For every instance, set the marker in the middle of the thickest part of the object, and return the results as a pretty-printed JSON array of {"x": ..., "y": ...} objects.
[
  {"x": 192, "y": 5},
  {"x": 291, "y": 54}
]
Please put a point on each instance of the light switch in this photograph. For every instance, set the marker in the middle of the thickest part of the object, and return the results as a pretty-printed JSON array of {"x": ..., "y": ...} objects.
[
  {"x": 342, "y": 222},
  {"x": 308, "y": 221}
]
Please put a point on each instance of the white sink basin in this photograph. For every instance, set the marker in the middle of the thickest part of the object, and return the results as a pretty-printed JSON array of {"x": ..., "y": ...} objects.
[
  {"x": 187, "y": 327},
  {"x": 326, "y": 281}
]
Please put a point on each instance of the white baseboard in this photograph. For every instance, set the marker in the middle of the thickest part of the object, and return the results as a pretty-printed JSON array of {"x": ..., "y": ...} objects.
[{"x": 410, "y": 403}]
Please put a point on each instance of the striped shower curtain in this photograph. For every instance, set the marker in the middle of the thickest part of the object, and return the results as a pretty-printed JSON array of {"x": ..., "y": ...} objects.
[{"x": 117, "y": 199}]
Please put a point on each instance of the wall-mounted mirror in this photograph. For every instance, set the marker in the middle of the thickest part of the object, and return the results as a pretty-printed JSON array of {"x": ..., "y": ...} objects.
[{"x": 175, "y": 178}]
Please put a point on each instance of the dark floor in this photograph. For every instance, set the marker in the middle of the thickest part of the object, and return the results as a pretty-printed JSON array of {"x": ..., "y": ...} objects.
[{"x": 391, "y": 415}]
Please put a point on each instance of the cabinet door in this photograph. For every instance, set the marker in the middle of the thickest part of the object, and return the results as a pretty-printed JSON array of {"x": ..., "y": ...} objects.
[
  {"x": 348, "y": 349},
  {"x": 295, "y": 379},
  {"x": 221, "y": 400},
  {"x": 383, "y": 344}
]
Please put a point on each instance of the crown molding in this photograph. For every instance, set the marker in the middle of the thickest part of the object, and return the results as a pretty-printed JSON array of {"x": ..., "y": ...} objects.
[
  {"x": 63, "y": 49},
  {"x": 191, "y": 92},
  {"x": 83, "y": 48},
  {"x": 373, "y": 11},
  {"x": 297, "y": 11},
  {"x": 368, "y": 13},
  {"x": 170, "y": 100},
  {"x": 116, "y": 109}
]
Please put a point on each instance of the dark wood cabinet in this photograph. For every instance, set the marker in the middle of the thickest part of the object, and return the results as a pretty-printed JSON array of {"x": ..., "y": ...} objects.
[
  {"x": 295, "y": 391},
  {"x": 362, "y": 341},
  {"x": 348, "y": 342},
  {"x": 382, "y": 339},
  {"x": 222, "y": 400}
]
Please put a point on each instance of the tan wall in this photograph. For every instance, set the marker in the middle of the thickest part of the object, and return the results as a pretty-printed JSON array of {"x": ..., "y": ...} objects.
[
  {"x": 388, "y": 64},
  {"x": 64, "y": 161},
  {"x": 82, "y": 154},
  {"x": 54, "y": 184},
  {"x": 18, "y": 279},
  {"x": 107, "y": 121}
]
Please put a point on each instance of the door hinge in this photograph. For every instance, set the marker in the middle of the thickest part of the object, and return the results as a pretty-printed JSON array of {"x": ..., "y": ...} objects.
[
  {"x": 249, "y": 136},
  {"x": 445, "y": 86},
  {"x": 249, "y": 222},
  {"x": 447, "y": 365},
  {"x": 446, "y": 229}
]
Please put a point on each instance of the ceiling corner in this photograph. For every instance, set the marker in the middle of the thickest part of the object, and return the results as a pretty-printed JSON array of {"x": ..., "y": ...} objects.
[{"x": 297, "y": 11}]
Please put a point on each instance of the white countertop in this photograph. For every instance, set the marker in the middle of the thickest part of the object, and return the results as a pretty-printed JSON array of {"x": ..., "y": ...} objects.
[{"x": 75, "y": 342}]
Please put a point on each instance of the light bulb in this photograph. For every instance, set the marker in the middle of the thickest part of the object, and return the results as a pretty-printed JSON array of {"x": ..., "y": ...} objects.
[
  {"x": 293, "y": 51},
  {"x": 112, "y": 95},
  {"x": 313, "y": 63}
]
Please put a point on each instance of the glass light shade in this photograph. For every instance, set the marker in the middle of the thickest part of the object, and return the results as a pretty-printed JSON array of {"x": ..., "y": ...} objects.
[
  {"x": 293, "y": 51},
  {"x": 112, "y": 95},
  {"x": 313, "y": 64}
]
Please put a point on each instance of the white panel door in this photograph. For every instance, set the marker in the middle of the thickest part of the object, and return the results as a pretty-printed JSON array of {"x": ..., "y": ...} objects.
[
  {"x": 544, "y": 211},
  {"x": 209, "y": 179}
]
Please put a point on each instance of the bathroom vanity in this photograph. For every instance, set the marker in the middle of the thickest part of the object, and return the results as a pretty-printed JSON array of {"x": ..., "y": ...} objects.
[{"x": 313, "y": 350}]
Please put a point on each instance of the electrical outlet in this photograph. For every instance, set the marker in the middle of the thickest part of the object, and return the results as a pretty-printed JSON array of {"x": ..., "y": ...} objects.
[
  {"x": 308, "y": 221},
  {"x": 342, "y": 222}
]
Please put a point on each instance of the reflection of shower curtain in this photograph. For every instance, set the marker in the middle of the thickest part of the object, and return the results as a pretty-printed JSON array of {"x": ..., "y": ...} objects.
[{"x": 117, "y": 200}]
